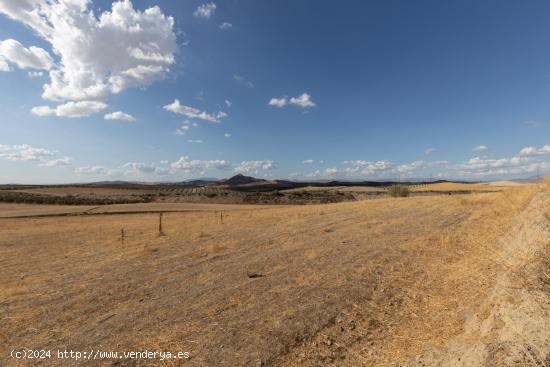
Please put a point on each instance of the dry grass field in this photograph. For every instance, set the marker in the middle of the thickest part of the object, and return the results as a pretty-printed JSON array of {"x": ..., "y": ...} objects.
[{"x": 421, "y": 281}]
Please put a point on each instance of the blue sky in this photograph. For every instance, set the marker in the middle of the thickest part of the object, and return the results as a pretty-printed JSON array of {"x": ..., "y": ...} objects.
[{"x": 284, "y": 89}]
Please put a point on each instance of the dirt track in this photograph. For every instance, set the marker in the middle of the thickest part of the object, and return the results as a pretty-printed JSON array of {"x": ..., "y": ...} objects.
[{"x": 386, "y": 282}]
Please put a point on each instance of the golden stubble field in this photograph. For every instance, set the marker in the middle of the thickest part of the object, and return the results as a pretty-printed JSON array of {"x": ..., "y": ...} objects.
[{"x": 371, "y": 283}]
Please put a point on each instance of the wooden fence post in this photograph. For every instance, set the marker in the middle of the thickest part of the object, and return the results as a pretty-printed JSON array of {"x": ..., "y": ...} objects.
[{"x": 160, "y": 225}]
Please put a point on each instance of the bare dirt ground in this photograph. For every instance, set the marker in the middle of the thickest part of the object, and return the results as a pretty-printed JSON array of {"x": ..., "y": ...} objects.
[{"x": 420, "y": 281}]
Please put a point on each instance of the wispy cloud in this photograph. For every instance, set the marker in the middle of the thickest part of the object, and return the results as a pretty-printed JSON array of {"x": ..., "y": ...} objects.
[
  {"x": 91, "y": 170},
  {"x": 480, "y": 148},
  {"x": 225, "y": 25},
  {"x": 205, "y": 11},
  {"x": 194, "y": 113},
  {"x": 533, "y": 123},
  {"x": 241, "y": 79}
]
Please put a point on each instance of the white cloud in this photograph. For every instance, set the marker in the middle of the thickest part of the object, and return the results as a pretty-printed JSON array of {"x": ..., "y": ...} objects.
[
  {"x": 99, "y": 53},
  {"x": 4, "y": 65},
  {"x": 65, "y": 161},
  {"x": 195, "y": 141},
  {"x": 70, "y": 109},
  {"x": 24, "y": 152},
  {"x": 13, "y": 52},
  {"x": 205, "y": 10},
  {"x": 227, "y": 135},
  {"x": 367, "y": 168},
  {"x": 535, "y": 151},
  {"x": 308, "y": 161},
  {"x": 182, "y": 130},
  {"x": 119, "y": 115},
  {"x": 243, "y": 80},
  {"x": 91, "y": 170},
  {"x": 331, "y": 171},
  {"x": 225, "y": 25},
  {"x": 303, "y": 101},
  {"x": 501, "y": 167},
  {"x": 139, "y": 168},
  {"x": 198, "y": 166},
  {"x": 418, "y": 165},
  {"x": 194, "y": 113},
  {"x": 429, "y": 151},
  {"x": 228, "y": 103},
  {"x": 278, "y": 102},
  {"x": 253, "y": 166},
  {"x": 35, "y": 74},
  {"x": 480, "y": 148}
]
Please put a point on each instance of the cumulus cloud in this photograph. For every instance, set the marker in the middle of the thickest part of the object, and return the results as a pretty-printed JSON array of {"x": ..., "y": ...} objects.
[
  {"x": 70, "y": 109},
  {"x": 243, "y": 81},
  {"x": 418, "y": 165},
  {"x": 119, "y": 115},
  {"x": 225, "y": 25},
  {"x": 205, "y": 11},
  {"x": 227, "y": 135},
  {"x": 429, "y": 151},
  {"x": 502, "y": 166},
  {"x": 13, "y": 52},
  {"x": 278, "y": 102},
  {"x": 140, "y": 169},
  {"x": 24, "y": 152},
  {"x": 331, "y": 171},
  {"x": 527, "y": 151},
  {"x": 190, "y": 166},
  {"x": 246, "y": 167},
  {"x": 480, "y": 148},
  {"x": 372, "y": 169},
  {"x": 303, "y": 101},
  {"x": 367, "y": 168},
  {"x": 194, "y": 113},
  {"x": 228, "y": 103},
  {"x": 98, "y": 53}
]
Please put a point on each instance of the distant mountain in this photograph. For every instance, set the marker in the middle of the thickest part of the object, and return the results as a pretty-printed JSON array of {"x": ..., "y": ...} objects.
[{"x": 241, "y": 180}]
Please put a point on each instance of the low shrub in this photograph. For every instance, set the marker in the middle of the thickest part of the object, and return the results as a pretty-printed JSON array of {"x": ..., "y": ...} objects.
[{"x": 398, "y": 191}]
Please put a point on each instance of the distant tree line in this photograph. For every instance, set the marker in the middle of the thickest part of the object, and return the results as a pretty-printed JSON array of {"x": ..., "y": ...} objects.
[{"x": 23, "y": 197}]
